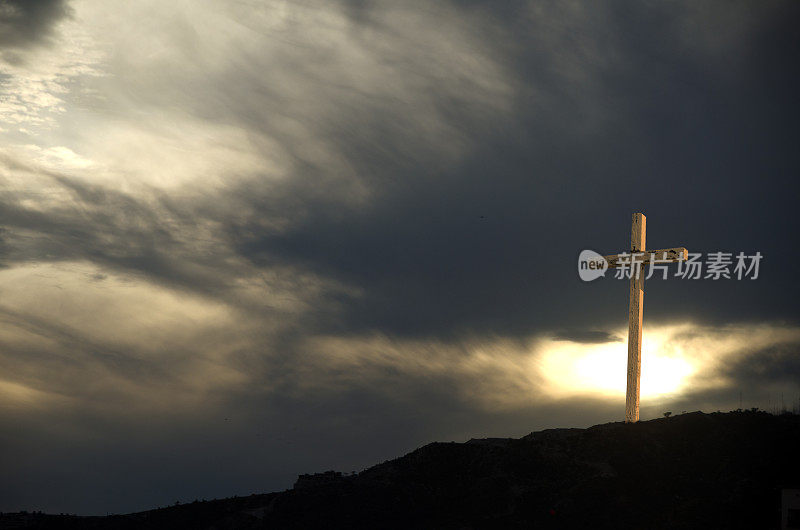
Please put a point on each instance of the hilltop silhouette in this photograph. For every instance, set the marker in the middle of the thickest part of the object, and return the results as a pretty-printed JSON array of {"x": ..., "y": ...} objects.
[{"x": 720, "y": 470}]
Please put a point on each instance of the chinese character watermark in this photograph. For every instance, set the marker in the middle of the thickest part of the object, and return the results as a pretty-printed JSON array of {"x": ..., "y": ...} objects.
[{"x": 716, "y": 266}]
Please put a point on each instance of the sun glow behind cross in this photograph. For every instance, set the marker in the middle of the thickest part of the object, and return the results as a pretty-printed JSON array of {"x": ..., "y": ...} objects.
[{"x": 600, "y": 369}]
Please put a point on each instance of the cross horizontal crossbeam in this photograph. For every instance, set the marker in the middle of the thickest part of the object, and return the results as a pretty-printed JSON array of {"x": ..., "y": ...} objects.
[{"x": 664, "y": 255}]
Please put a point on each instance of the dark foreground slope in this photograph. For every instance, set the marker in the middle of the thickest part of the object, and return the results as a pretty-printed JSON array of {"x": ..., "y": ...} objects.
[{"x": 690, "y": 471}]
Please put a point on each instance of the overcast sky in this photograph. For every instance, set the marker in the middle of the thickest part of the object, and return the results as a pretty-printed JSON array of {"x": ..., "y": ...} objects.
[{"x": 242, "y": 240}]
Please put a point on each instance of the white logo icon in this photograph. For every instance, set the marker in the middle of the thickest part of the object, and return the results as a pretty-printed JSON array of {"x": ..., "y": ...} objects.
[{"x": 591, "y": 265}]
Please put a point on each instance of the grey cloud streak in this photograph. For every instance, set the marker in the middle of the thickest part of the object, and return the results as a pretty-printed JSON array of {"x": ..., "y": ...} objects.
[{"x": 587, "y": 336}]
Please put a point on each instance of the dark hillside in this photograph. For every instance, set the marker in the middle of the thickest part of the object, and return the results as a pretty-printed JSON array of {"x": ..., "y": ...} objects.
[{"x": 690, "y": 471}]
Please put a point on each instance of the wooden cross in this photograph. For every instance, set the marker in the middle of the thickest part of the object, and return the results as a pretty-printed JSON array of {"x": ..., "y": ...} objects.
[{"x": 636, "y": 260}]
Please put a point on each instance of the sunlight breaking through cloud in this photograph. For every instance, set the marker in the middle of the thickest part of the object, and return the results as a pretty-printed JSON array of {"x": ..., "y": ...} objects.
[
  {"x": 499, "y": 373},
  {"x": 675, "y": 358}
]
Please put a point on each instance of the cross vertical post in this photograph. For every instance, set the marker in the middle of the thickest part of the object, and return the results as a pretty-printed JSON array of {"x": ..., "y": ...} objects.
[
  {"x": 635, "y": 262},
  {"x": 635, "y": 315}
]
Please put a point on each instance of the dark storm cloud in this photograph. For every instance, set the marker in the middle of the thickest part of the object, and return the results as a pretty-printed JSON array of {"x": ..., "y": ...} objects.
[
  {"x": 26, "y": 22},
  {"x": 616, "y": 110}
]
